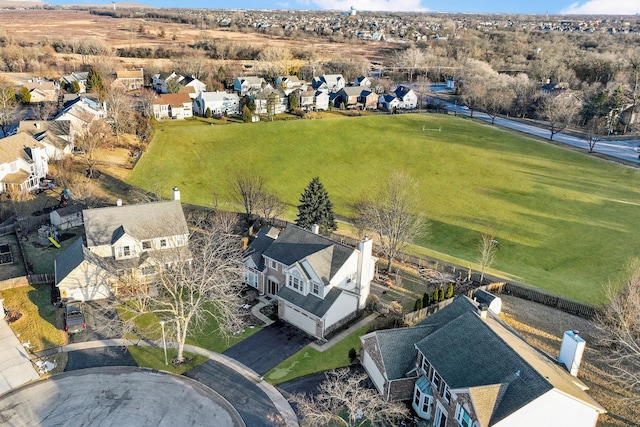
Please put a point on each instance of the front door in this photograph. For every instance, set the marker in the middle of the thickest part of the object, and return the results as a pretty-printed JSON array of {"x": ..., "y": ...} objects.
[{"x": 272, "y": 287}]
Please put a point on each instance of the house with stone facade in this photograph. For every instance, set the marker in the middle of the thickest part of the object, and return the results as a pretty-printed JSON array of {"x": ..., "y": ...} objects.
[
  {"x": 463, "y": 367},
  {"x": 319, "y": 284}
]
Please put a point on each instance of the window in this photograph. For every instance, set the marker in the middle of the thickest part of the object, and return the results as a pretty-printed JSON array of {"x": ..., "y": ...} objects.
[
  {"x": 437, "y": 381},
  {"x": 447, "y": 394},
  {"x": 125, "y": 251},
  {"x": 462, "y": 417},
  {"x": 426, "y": 366},
  {"x": 163, "y": 243},
  {"x": 148, "y": 271},
  {"x": 441, "y": 416},
  {"x": 315, "y": 288},
  {"x": 295, "y": 283},
  {"x": 273, "y": 264},
  {"x": 146, "y": 245},
  {"x": 251, "y": 279}
]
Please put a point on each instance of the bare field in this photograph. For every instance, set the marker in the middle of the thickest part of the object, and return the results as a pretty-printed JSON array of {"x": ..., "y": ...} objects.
[
  {"x": 46, "y": 25},
  {"x": 543, "y": 327}
]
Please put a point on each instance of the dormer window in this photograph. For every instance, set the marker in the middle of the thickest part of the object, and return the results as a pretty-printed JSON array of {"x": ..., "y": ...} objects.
[
  {"x": 462, "y": 417},
  {"x": 146, "y": 245},
  {"x": 315, "y": 288},
  {"x": 163, "y": 243}
]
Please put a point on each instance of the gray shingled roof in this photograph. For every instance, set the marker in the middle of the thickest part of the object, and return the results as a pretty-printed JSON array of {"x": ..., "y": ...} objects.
[
  {"x": 398, "y": 350},
  {"x": 73, "y": 256},
  {"x": 310, "y": 303},
  {"x": 295, "y": 244},
  {"x": 256, "y": 248},
  {"x": 143, "y": 221}
]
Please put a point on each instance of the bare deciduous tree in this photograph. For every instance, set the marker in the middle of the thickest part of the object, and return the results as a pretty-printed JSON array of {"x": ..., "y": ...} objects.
[
  {"x": 344, "y": 400},
  {"x": 487, "y": 251},
  {"x": 118, "y": 109},
  {"x": 90, "y": 140},
  {"x": 9, "y": 109},
  {"x": 247, "y": 188},
  {"x": 619, "y": 321},
  {"x": 391, "y": 214},
  {"x": 270, "y": 206},
  {"x": 558, "y": 111},
  {"x": 191, "y": 287}
]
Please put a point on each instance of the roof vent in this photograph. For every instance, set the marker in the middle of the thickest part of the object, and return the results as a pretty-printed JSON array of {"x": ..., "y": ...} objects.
[
  {"x": 119, "y": 202},
  {"x": 176, "y": 193},
  {"x": 315, "y": 229}
]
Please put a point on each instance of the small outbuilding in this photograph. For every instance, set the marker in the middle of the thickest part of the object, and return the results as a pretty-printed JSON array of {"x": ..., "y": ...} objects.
[{"x": 489, "y": 300}]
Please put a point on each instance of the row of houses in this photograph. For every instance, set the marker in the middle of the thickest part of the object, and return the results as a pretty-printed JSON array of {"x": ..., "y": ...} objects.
[
  {"x": 461, "y": 366},
  {"x": 26, "y": 152}
]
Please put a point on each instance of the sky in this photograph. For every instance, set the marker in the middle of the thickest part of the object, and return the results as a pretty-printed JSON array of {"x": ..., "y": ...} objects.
[{"x": 613, "y": 7}]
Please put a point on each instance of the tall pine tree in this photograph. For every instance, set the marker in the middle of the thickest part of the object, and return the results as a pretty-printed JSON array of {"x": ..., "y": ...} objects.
[
  {"x": 316, "y": 208},
  {"x": 94, "y": 81}
]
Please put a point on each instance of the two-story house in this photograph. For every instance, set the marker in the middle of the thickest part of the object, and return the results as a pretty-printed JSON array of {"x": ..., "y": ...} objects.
[
  {"x": 163, "y": 81},
  {"x": 42, "y": 90},
  {"x": 172, "y": 106},
  {"x": 332, "y": 82},
  {"x": 55, "y": 135},
  {"x": 78, "y": 77},
  {"x": 129, "y": 241},
  {"x": 248, "y": 85},
  {"x": 23, "y": 162},
  {"x": 320, "y": 284},
  {"x": 217, "y": 102},
  {"x": 130, "y": 79},
  {"x": 463, "y": 367},
  {"x": 81, "y": 112},
  {"x": 407, "y": 97}
]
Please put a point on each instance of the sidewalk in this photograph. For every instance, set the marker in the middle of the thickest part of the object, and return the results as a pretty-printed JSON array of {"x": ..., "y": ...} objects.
[
  {"x": 336, "y": 339},
  {"x": 16, "y": 368}
]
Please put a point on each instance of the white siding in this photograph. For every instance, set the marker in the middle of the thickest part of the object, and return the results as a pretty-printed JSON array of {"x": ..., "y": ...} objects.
[
  {"x": 375, "y": 375},
  {"x": 553, "y": 409},
  {"x": 85, "y": 283},
  {"x": 341, "y": 308}
]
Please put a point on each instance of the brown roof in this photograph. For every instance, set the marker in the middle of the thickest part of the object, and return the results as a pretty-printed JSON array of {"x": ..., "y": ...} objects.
[
  {"x": 130, "y": 74},
  {"x": 172, "y": 99},
  {"x": 12, "y": 147}
]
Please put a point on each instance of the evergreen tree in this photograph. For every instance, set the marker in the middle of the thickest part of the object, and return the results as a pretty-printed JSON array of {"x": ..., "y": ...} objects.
[
  {"x": 207, "y": 113},
  {"x": 440, "y": 293},
  {"x": 316, "y": 208},
  {"x": 418, "y": 304},
  {"x": 246, "y": 114},
  {"x": 436, "y": 295},
  {"x": 426, "y": 300},
  {"x": 74, "y": 87},
  {"x": 95, "y": 82},
  {"x": 294, "y": 101},
  {"x": 25, "y": 95},
  {"x": 449, "y": 293}
]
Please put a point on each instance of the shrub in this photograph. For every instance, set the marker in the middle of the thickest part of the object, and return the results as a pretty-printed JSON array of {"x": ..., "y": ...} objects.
[
  {"x": 449, "y": 293},
  {"x": 418, "y": 304},
  {"x": 426, "y": 300},
  {"x": 207, "y": 113},
  {"x": 353, "y": 354}
]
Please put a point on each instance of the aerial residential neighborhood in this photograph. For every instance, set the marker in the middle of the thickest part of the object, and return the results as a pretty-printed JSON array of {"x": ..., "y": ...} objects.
[{"x": 318, "y": 217}]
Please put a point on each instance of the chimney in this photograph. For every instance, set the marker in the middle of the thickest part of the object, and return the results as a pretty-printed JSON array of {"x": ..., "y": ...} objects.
[
  {"x": 176, "y": 193},
  {"x": 119, "y": 202},
  {"x": 315, "y": 229},
  {"x": 571, "y": 351},
  {"x": 366, "y": 266},
  {"x": 37, "y": 125},
  {"x": 482, "y": 311}
]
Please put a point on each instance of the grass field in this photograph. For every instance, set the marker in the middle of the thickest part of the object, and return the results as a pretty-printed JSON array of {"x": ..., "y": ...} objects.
[{"x": 566, "y": 221}]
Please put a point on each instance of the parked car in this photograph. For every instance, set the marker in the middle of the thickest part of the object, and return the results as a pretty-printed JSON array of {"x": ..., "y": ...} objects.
[{"x": 74, "y": 321}]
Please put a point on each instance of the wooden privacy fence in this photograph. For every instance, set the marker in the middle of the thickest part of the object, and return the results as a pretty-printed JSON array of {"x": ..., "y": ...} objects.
[
  {"x": 566, "y": 305},
  {"x": 416, "y": 316},
  {"x": 7, "y": 229},
  {"x": 41, "y": 279}
]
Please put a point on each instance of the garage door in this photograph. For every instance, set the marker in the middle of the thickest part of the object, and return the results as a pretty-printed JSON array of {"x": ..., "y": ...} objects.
[
  {"x": 299, "y": 319},
  {"x": 89, "y": 293}
]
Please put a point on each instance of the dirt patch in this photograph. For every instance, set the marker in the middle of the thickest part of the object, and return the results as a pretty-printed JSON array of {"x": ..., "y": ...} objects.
[{"x": 543, "y": 328}]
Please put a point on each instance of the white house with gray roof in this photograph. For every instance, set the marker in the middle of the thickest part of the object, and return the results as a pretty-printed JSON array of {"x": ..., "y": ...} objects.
[
  {"x": 217, "y": 102},
  {"x": 123, "y": 241},
  {"x": 320, "y": 284},
  {"x": 463, "y": 366}
]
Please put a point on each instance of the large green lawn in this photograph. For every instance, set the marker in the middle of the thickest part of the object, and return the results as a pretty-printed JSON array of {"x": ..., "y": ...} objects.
[{"x": 566, "y": 221}]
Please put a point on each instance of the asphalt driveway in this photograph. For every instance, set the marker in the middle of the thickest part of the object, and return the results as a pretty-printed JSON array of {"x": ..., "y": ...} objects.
[
  {"x": 98, "y": 357},
  {"x": 253, "y": 405},
  {"x": 269, "y": 347}
]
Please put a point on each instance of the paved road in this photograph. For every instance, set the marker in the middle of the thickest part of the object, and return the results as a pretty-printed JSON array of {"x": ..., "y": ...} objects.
[
  {"x": 624, "y": 150},
  {"x": 117, "y": 396},
  {"x": 276, "y": 343},
  {"x": 254, "y": 406}
]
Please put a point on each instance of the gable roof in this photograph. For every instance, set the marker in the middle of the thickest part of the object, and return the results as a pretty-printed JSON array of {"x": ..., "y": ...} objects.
[
  {"x": 73, "y": 256},
  {"x": 143, "y": 221},
  {"x": 16, "y": 147},
  {"x": 52, "y": 131},
  {"x": 173, "y": 99},
  {"x": 500, "y": 370},
  {"x": 295, "y": 243},
  {"x": 130, "y": 74},
  {"x": 402, "y": 91}
]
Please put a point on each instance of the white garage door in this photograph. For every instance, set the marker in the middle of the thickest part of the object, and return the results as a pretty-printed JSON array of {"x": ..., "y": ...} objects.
[
  {"x": 89, "y": 293},
  {"x": 299, "y": 319}
]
